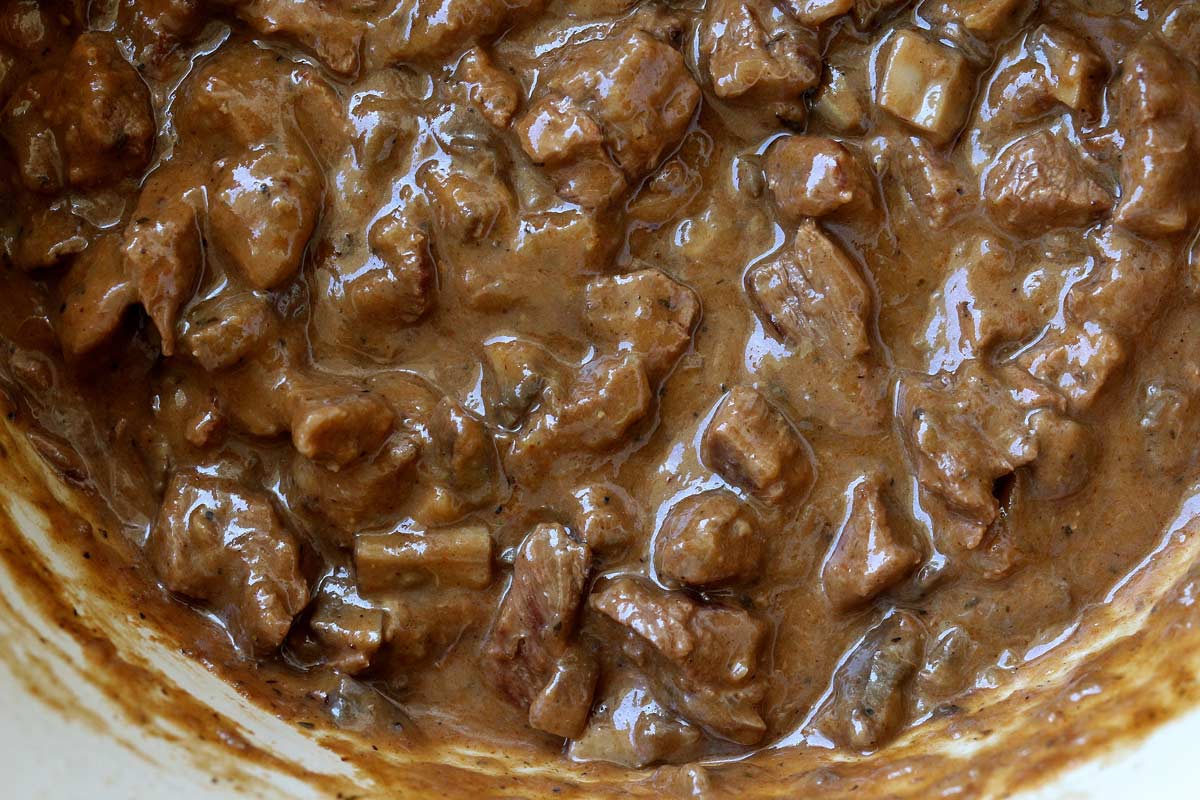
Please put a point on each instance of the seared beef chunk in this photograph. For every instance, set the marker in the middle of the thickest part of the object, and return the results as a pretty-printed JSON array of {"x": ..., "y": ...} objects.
[
  {"x": 531, "y": 641},
  {"x": 705, "y": 657},
  {"x": 220, "y": 543},
  {"x": 709, "y": 539}
]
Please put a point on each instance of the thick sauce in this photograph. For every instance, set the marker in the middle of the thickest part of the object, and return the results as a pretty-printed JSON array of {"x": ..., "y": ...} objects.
[{"x": 650, "y": 381}]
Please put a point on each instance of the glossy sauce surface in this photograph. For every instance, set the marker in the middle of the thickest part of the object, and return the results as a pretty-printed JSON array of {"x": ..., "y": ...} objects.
[{"x": 648, "y": 381}]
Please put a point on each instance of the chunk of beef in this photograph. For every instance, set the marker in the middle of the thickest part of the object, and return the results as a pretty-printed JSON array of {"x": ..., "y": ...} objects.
[
  {"x": 397, "y": 284},
  {"x": 537, "y": 618},
  {"x": 468, "y": 204},
  {"x": 1065, "y": 455},
  {"x": 987, "y": 19},
  {"x": 419, "y": 30},
  {"x": 563, "y": 706},
  {"x": 813, "y": 295},
  {"x": 604, "y": 516},
  {"x": 990, "y": 298},
  {"x": 935, "y": 185},
  {"x": 608, "y": 397},
  {"x": 264, "y": 210},
  {"x": 925, "y": 84},
  {"x": 383, "y": 114},
  {"x": 334, "y": 35},
  {"x": 518, "y": 373},
  {"x": 224, "y": 330},
  {"x": 221, "y": 543},
  {"x": 267, "y": 376},
  {"x": 347, "y": 629},
  {"x": 632, "y": 728},
  {"x": 811, "y": 176},
  {"x": 758, "y": 55},
  {"x": 645, "y": 312},
  {"x": 610, "y": 113},
  {"x": 870, "y": 700},
  {"x": 30, "y": 134},
  {"x": 709, "y": 539},
  {"x": 335, "y": 426},
  {"x": 451, "y": 556},
  {"x": 963, "y": 431},
  {"x": 245, "y": 97},
  {"x": 96, "y": 293},
  {"x": 104, "y": 114},
  {"x": 1128, "y": 283},
  {"x": 367, "y": 493},
  {"x": 162, "y": 248},
  {"x": 1076, "y": 360},
  {"x": 490, "y": 89},
  {"x": 157, "y": 28},
  {"x": 867, "y": 557},
  {"x": 1040, "y": 182},
  {"x": 753, "y": 446},
  {"x": 461, "y": 464},
  {"x": 1158, "y": 110},
  {"x": 707, "y": 655},
  {"x": 47, "y": 235},
  {"x": 838, "y": 103}
]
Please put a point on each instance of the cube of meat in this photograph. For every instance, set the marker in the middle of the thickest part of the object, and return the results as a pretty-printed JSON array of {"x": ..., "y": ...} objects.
[
  {"x": 96, "y": 293},
  {"x": 1158, "y": 111},
  {"x": 162, "y": 248},
  {"x": 814, "y": 296},
  {"x": 870, "y": 692},
  {"x": 934, "y": 184},
  {"x": 612, "y": 110},
  {"x": 334, "y": 34},
  {"x": 518, "y": 372},
  {"x": 707, "y": 540},
  {"x": 157, "y": 28},
  {"x": 811, "y": 176},
  {"x": 1075, "y": 360},
  {"x": 264, "y": 210},
  {"x": 397, "y": 284},
  {"x": 224, "y": 330},
  {"x": 630, "y": 727},
  {"x": 605, "y": 517},
  {"x": 1130, "y": 280},
  {"x": 537, "y": 618},
  {"x": 335, "y": 425},
  {"x": 563, "y": 706},
  {"x": 47, "y": 235},
  {"x": 347, "y": 629},
  {"x": 216, "y": 541},
  {"x": 753, "y": 446},
  {"x": 468, "y": 204},
  {"x": 246, "y": 96},
  {"x": 367, "y": 493},
  {"x": 608, "y": 397},
  {"x": 461, "y": 455},
  {"x": 757, "y": 55},
  {"x": 1040, "y": 182},
  {"x": 419, "y": 30},
  {"x": 1065, "y": 455},
  {"x": 104, "y": 114},
  {"x": 558, "y": 133},
  {"x": 383, "y": 113},
  {"x": 963, "y": 432},
  {"x": 925, "y": 84},
  {"x": 645, "y": 312},
  {"x": 708, "y": 655},
  {"x": 490, "y": 89},
  {"x": 390, "y": 562},
  {"x": 30, "y": 134},
  {"x": 867, "y": 557}
]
